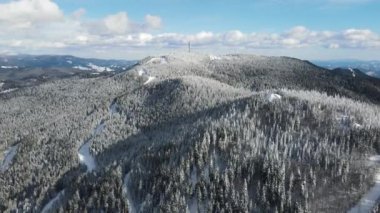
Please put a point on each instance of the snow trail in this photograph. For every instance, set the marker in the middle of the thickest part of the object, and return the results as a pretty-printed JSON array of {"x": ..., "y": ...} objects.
[
  {"x": 142, "y": 72},
  {"x": 84, "y": 153},
  {"x": 352, "y": 72},
  {"x": 192, "y": 206},
  {"x": 113, "y": 109},
  {"x": 215, "y": 58},
  {"x": 274, "y": 96},
  {"x": 50, "y": 206},
  {"x": 369, "y": 200},
  {"x": 9, "y": 154},
  {"x": 85, "y": 156},
  {"x": 150, "y": 79},
  {"x": 8, "y": 90},
  {"x": 127, "y": 192},
  {"x": 158, "y": 60}
]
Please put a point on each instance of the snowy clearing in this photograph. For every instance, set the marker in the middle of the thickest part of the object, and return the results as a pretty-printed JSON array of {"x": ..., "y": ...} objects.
[
  {"x": 81, "y": 68},
  {"x": 8, "y": 90},
  {"x": 85, "y": 156},
  {"x": 274, "y": 96},
  {"x": 9, "y": 67},
  {"x": 150, "y": 79},
  {"x": 142, "y": 72},
  {"x": 69, "y": 62},
  {"x": 371, "y": 73},
  {"x": 9, "y": 154},
  {"x": 352, "y": 71},
  {"x": 1, "y": 84},
  {"x": 99, "y": 68},
  {"x": 369, "y": 200},
  {"x": 158, "y": 60},
  {"x": 50, "y": 206},
  {"x": 375, "y": 158},
  {"x": 214, "y": 57}
]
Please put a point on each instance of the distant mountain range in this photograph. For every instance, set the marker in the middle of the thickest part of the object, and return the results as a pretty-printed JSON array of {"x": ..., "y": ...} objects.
[
  {"x": 371, "y": 68},
  {"x": 62, "y": 61},
  {"x": 27, "y": 70}
]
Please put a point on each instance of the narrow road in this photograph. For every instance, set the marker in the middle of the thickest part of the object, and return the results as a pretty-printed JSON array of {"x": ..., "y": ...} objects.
[{"x": 368, "y": 201}]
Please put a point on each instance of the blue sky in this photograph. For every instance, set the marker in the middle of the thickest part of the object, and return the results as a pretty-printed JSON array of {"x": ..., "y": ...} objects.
[
  {"x": 246, "y": 15},
  {"x": 308, "y": 29}
]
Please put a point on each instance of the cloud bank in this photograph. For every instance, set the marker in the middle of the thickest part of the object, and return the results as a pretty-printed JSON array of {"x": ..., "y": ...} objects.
[{"x": 29, "y": 25}]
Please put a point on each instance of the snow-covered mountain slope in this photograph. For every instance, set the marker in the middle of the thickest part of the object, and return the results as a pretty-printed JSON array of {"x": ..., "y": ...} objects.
[
  {"x": 28, "y": 70},
  {"x": 371, "y": 68},
  {"x": 59, "y": 61},
  {"x": 234, "y": 133}
]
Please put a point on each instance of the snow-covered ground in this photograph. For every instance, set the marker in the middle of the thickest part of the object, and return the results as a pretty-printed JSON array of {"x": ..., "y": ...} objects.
[
  {"x": 192, "y": 206},
  {"x": 68, "y": 61},
  {"x": 9, "y": 67},
  {"x": 99, "y": 68},
  {"x": 99, "y": 128},
  {"x": 127, "y": 192},
  {"x": 214, "y": 57},
  {"x": 273, "y": 97},
  {"x": 357, "y": 126},
  {"x": 81, "y": 68},
  {"x": 9, "y": 154},
  {"x": 84, "y": 153},
  {"x": 145, "y": 73},
  {"x": 352, "y": 71},
  {"x": 85, "y": 156},
  {"x": 368, "y": 201},
  {"x": 49, "y": 206},
  {"x": 113, "y": 109},
  {"x": 8, "y": 90},
  {"x": 150, "y": 79},
  {"x": 158, "y": 60},
  {"x": 371, "y": 73},
  {"x": 1, "y": 84},
  {"x": 91, "y": 66},
  {"x": 193, "y": 177},
  {"x": 142, "y": 72}
]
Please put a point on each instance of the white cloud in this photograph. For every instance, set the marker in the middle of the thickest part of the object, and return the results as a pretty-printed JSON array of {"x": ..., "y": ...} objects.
[
  {"x": 27, "y": 13},
  {"x": 290, "y": 42},
  {"x": 359, "y": 35},
  {"x": 79, "y": 13},
  {"x": 117, "y": 23},
  {"x": 333, "y": 46},
  {"x": 202, "y": 38},
  {"x": 234, "y": 37},
  {"x": 154, "y": 22},
  {"x": 31, "y": 25}
]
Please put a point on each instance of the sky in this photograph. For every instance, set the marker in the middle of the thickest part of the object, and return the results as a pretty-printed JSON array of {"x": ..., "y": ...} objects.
[{"x": 133, "y": 29}]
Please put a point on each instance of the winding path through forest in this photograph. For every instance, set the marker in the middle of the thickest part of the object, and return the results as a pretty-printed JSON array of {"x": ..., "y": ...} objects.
[
  {"x": 8, "y": 157},
  {"x": 369, "y": 200}
]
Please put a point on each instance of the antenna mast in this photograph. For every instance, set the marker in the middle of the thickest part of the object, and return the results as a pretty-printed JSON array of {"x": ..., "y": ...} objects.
[{"x": 189, "y": 44}]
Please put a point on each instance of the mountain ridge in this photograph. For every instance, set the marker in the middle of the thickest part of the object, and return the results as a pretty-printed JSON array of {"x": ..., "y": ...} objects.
[{"x": 193, "y": 133}]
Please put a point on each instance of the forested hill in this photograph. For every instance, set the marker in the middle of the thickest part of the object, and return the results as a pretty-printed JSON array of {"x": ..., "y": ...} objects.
[
  {"x": 18, "y": 71},
  {"x": 192, "y": 133}
]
